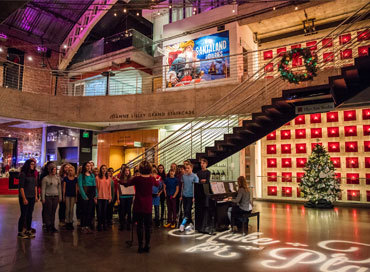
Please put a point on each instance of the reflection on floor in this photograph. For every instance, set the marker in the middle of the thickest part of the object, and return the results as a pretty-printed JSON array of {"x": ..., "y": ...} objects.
[{"x": 290, "y": 238}]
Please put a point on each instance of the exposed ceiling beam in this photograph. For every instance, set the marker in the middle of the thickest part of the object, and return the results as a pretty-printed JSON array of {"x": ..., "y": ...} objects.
[{"x": 56, "y": 15}]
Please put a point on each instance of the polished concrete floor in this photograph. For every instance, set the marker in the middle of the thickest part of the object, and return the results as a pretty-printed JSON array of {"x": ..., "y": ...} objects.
[{"x": 291, "y": 238}]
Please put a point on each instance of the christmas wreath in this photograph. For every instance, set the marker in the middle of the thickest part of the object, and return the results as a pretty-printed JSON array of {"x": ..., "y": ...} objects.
[{"x": 310, "y": 62}]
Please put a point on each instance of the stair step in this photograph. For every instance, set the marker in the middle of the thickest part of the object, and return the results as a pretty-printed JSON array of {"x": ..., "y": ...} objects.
[
  {"x": 261, "y": 116},
  {"x": 311, "y": 91},
  {"x": 352, "y": 79},
  {"x": 339, "y": 90},
  {"x": 271, "y": 110},
  {"x": 252, "y": 125},
  {"x": 243, "y": 131},
  {"x": 223, "y": 143},
  {"x": 233, "y": 138},
  {"x": 281, "y": 103},
  {"x": 363, "y": 66}
]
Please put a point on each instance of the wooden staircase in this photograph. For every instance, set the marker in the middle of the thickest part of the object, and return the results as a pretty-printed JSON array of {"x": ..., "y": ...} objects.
[{"x": 353, "y": 80}]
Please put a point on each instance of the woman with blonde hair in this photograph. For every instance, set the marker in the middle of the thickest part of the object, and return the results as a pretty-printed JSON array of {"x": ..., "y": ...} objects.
[
  {"x": 69, "y": 195},
  {"x": 242, "y": 202}
]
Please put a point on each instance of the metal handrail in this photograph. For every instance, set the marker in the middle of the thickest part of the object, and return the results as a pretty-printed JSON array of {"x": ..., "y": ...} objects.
[{"x": 242, "y": 85}]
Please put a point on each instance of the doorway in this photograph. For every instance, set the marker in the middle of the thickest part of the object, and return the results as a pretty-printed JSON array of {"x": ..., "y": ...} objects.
[{"x": 10, "y": 151}]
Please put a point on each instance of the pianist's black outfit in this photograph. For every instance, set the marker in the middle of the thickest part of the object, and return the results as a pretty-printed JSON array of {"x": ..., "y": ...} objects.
[{"x": 203, "y": 212}]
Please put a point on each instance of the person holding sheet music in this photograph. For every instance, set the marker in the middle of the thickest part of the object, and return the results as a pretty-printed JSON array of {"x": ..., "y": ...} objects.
[{"x": 125, "y": 196}]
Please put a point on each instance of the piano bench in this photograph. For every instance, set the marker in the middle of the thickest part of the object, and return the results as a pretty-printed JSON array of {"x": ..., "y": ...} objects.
[{"x": 244, "y": 218}]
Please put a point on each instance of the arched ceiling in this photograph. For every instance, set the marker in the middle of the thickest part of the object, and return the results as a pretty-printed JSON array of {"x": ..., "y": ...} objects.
[{"x": 45, "y": 22}]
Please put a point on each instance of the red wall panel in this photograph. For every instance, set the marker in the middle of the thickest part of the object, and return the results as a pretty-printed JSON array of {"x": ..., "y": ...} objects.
[
  {"x": 332, "y": 116},
  {"x": 349, "y": 115},
  {"x": 286, "y": 149}
]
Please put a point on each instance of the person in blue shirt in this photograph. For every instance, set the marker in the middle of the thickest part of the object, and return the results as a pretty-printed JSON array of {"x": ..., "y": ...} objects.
[
  {"x": 171, "y": 189},
  {"x": 188, "y": 180},
  {"x": 89, "y": 194}
]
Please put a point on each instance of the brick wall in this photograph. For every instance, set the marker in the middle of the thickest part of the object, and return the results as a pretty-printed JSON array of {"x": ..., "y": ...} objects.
[{"x": 36, "y": 79}]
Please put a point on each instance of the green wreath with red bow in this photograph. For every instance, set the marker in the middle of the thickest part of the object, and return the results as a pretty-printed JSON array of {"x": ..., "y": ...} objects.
[{"x": 310, "y": 62}]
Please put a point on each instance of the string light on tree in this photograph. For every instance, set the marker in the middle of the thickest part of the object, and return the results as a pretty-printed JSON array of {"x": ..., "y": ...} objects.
[{"x": 318, "y": 184}]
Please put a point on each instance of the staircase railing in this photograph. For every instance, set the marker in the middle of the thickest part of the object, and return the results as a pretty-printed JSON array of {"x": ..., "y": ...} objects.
[{"x": 190, "y": 138}]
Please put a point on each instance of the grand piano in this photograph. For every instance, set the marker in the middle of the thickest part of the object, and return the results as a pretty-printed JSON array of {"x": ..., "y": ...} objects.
[{"x": 210, "y": 207}]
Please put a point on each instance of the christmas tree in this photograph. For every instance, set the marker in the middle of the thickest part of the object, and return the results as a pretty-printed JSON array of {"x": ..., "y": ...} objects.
[{"x": 318, "y": 184}]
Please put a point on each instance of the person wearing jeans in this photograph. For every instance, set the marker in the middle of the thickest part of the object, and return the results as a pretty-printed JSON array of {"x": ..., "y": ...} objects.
[
  {"x": 69, "y": 195},
  {"x": 27, "y": 198},
  {"x": 89, "y": 194},
  {"x": 103, "y": 185},
  {"x": 156, "y": 191},
  {"x": 171, "y": 189},
  {"x": 51, "y": 195},
  {"x": 188, "y": 180}
]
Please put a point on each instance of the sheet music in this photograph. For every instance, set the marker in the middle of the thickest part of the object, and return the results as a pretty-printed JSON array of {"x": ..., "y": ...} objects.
[
  {"x": 214, "y": 188},
  {"x": 231, "y": 187},
  {"x": 221, "y": 188},
  {"x": 127, "y": 190}
]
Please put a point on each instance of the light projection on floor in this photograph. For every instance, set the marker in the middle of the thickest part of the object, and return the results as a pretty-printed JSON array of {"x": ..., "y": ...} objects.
[{"x": 331, "y": 255}]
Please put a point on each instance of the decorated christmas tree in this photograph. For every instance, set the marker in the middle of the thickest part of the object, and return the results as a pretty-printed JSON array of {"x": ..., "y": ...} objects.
[{"x": 318, "y": 184}]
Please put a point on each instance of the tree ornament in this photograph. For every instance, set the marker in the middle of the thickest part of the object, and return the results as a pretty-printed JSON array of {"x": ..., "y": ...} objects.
[{"x": 319, "y": 184}]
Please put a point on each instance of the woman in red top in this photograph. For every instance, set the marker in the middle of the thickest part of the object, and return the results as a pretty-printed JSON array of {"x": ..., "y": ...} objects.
[{"x": 143, "y": 203}]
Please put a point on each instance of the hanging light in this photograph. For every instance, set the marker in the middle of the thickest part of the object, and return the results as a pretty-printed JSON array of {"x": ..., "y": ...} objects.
[
  {"x": 124, "y": 10},
  {"x": 137, "y": 14},
  {"x": 115, "y": 14}
]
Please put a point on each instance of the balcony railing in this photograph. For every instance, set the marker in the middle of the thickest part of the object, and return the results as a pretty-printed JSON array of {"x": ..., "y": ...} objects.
[
  {"x": 119, "y": 41},
  {"x": 214, "y": 72}
]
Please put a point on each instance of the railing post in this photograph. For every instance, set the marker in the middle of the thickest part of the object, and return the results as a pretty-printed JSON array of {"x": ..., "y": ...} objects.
[
  {"x": 228, "y": 123},
  {"x": 191, "y": 141},
  {"x": 201, "y": 140},
  {"x": 19, "y": 76}
]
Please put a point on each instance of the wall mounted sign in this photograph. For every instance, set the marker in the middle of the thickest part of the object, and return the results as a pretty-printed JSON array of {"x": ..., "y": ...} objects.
[
  {"x": 323, "y": 107},
  {"x": 152, "y": 115},
  {"x": 193, "y": 61}
]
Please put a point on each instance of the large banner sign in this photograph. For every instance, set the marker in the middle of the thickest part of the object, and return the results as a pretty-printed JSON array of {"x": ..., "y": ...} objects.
[{"x": 201, "y": 59}]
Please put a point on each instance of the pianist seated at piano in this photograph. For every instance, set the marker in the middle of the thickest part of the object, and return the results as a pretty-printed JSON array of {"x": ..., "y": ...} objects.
[{"x": 242, "y": 204}]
